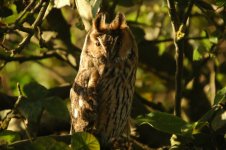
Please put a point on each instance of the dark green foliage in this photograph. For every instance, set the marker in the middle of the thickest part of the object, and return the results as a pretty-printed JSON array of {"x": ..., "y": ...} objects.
[
  {"x": 221, "y": 2},
  {"x": 191, "y": 135},
  {"x": 164, "y": 122},
  {"x": 40, "y": 110},
  {"x": 41, "y": 143},
  {"x": 37, "y": 101}
]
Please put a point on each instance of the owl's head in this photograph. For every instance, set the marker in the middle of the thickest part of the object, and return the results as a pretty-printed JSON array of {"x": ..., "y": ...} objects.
[{"x": 112, "y": 40}]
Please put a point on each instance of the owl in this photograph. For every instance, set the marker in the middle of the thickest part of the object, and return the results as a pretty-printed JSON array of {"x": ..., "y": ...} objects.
[{"x": 102, "y": 92}]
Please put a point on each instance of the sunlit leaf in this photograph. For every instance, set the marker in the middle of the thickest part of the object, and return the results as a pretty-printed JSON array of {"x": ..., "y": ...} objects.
[
  {"x": 163, "y": 122},
  {"x": 84, "y": 141},
  {"x": 7, "y": 137},
  {"x": 162, "y": 46},
  {"x": 197, "y": 55},
  {"x": 61, "y": 3},
  {"x": 214, "y": 40},
  {"x": 220, "y": 96},
  {"x": 56, "y": 107},
  {"x": 11, "y": 19}
]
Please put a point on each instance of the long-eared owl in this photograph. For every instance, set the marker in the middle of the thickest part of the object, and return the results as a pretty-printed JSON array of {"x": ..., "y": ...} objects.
[{"x": 102, "y": 92}]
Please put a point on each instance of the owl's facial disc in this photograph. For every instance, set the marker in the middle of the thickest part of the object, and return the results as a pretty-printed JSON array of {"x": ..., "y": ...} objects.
[{"x": 107, "y": 38}]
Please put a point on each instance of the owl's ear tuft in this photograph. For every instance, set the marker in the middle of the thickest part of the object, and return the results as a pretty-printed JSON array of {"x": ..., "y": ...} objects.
[
  {"x": 99, "y": 22},
  {"x": 119, "y": 22}
]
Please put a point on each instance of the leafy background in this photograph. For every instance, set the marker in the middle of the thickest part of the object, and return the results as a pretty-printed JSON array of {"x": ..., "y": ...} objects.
[{"x": 39, "y": 60}]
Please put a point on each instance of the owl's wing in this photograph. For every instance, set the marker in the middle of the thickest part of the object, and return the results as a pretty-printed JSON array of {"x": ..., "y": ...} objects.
[{"x": 84, "y": 100}]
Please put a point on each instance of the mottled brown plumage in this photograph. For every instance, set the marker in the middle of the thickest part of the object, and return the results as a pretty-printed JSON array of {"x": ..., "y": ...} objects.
[{"x": 102, "y": 93}]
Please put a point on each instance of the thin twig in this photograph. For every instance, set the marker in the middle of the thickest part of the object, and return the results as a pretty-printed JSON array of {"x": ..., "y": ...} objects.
[
  {"x": 25, "y": 11},
  {"x": 29, "y": 58},
  {"x": 37, "y": 6},
  {"x": 26, "y": 131},
  {"x": 59, "y": 54},
  {"x": 188, "y": 13},
  {"x": 37, "y": 22},
  {"x": 12, "y": 113},
  {"x": 173, "y": 14},
  {"x": 15, "y": 109},
  {"x": 22, "y": 44},
  {"x": 19, "y": 97},
  {"x": 138, "y": 10},
  {"x": 41, "y": 14},
  {"x": 13, "y": 27}
]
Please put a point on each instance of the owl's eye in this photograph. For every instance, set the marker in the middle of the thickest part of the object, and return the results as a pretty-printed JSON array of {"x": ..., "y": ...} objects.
[{"x": 97, "y": 43}]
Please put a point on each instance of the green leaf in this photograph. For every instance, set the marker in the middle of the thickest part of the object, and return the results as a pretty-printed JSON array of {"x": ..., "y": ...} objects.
[
  {"x": 35, "y": 91},
  {"x": 214, "y": 40},
  {"x": 7, "y": 136},
  {"x": 220, "y": 96},
  {"x": 56, "y": 107},
  {"x": 32, "y": 111},
  {"x": 197, "y": 55},
  {"x": 61, "y": 3},
  {"x": 209, "y": 114},
  {"x": 163, "y": 122},
  {"x": 198, "y": 126},
  {"x": 49, "y": 143},
  {"x": 11, "y": 19},
  {"x": 84, "y": 141}
]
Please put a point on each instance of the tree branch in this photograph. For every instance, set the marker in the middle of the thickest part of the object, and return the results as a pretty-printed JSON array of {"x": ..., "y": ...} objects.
[
  {"x": 173, "y": 14},
  {"x": 36, "y": 23},
  {"x": 29, "y": 58},
  {"x": 179, "y": 39},
  {"x": 59, "y": 54},
  {"x": 25, "y": 11}
]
